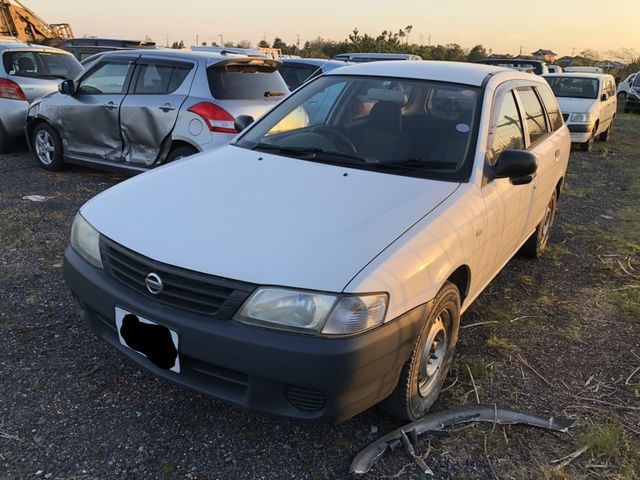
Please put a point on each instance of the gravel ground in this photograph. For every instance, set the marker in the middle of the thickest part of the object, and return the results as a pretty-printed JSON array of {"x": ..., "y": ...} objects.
[{"x": 563, "y": 339}]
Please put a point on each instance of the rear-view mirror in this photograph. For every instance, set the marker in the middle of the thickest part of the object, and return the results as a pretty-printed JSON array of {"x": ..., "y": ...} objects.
[
  {"x": 516, "y": 165},
  {"x": 67, "y": 87},
  {"x": 242, "y": 122}
]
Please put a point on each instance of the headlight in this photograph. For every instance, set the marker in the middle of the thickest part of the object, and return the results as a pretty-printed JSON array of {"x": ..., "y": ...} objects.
[
  {"x": 581, "y": 117},
  {"x": 311, "y": 312},
  {"x": 86, "y": 241}
]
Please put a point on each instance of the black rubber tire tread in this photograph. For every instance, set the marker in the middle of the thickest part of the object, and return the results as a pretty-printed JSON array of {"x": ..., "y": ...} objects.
[
  {"x": 181, "y": 151},
  {"x": 58, "y": 161},
  {"x": 604, "y": 136},
  {"x": 6, "y": 142},
  {"x": 534, "y": 246},
  {"x": 399, "y": 403}
]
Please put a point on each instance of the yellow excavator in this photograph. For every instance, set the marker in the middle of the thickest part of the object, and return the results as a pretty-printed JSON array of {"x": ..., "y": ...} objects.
[{"x": 17, "y": 21}]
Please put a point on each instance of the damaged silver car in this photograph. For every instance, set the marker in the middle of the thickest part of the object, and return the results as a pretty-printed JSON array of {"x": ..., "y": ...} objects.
[{"x": 134, "y": 110}]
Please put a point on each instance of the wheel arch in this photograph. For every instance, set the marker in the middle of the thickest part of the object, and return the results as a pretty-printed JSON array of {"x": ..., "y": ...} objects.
[{"x": 461, "y": 278}]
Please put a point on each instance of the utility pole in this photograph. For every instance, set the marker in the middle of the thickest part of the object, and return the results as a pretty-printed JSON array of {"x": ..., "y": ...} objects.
[
  {"x": 573, "y": 51},
  {"x": 197, "y": 40},
  {"x": 298, "y": 43},
  {"x": 421, "y": 40},
  {"x": 429, "y": 39},
  {"x": 221, "y": 40}
]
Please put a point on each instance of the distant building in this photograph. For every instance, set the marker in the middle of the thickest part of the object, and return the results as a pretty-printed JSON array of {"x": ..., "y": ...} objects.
[{"x": 545, "y": 55}]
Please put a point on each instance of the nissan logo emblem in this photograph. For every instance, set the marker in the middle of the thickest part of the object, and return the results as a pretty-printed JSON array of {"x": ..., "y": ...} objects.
[{"x": 154, "y": 284}]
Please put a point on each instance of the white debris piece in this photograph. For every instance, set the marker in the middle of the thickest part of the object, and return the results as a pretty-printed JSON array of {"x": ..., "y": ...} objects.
[{"x": 36, "y": 198}]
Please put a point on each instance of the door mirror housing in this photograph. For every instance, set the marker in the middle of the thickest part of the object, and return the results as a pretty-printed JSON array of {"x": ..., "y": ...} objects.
[
  {"x": 516, "y": 165},
  {"x": 67, "y": 87},
  {"x": 603, "y": 97},
  {"x": 242, "y": 122}
]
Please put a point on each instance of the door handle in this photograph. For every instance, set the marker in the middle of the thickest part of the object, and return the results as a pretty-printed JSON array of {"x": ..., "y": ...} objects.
[
  {"x": 557, "y": 153},
  {"x": 167, "y": 107},
  {"x": 110, "y": 106}
]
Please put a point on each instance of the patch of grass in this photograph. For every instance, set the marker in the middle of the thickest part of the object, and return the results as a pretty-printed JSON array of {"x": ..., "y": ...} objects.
[
  {"x": 501, "y": 343},
  {"x": 527, "y": 281},
  {"x": 604, "y": 439},
  {"x": 627, "y": 301}
]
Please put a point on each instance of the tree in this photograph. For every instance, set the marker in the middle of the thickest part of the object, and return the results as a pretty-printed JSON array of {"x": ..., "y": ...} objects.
[
  {"x": 263, "y": 44},
  {"x": 178, "y": 45},
  {"x": 244, "y": 44},
  {"x": 476, "y": 53}
]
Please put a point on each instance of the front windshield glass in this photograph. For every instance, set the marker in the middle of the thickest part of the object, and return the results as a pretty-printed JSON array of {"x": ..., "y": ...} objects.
[
  {"x": 636, "y": 82},
  {"x": 405, "y": 127},
  {"x": 40, "y": 64},
  {"x": 574, "y": 87}
]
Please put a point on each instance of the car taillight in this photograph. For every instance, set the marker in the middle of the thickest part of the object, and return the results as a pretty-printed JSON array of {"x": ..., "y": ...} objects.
[
  {"x": 218, "y": 119},
  {"x": 11, "y": 90}
]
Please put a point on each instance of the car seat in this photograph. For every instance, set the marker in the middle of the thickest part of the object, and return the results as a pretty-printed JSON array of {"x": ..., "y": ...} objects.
[{"x": 382, "y": 138}]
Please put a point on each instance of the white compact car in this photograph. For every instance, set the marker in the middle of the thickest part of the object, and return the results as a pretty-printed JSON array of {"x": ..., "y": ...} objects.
[
  {"x": 624, "y": 87},
  {"x": 588, "y": 102},
  {"x": 320, "y": 263}
]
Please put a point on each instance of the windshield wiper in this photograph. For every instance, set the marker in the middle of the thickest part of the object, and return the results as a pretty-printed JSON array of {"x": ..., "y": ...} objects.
[
  {"x": 415, "y": 164},
  {"x": 268, "y": 94},
  {"x": 311, "y": 152}
]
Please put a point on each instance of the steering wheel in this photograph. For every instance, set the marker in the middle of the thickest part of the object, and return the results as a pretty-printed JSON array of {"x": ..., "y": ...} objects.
[{"x": 334, "y": 134}]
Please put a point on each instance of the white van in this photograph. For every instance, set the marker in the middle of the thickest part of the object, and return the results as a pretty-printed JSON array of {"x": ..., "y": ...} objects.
[{"x": 588, "y": 103}]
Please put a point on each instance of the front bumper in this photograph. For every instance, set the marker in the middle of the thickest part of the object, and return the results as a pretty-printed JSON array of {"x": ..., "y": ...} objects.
[
  {"x": 287, "y": 375},
  {"x": 580, "y": 132},
  {"x": 633, "y": 104}
]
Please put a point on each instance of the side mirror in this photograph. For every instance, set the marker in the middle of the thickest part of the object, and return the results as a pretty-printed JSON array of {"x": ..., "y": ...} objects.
[
  {"x": 67, "y": 87},
  {"x": 516, "y": 165},
  {"x": 603, "y": 97},
  {"x": 242, "y": 122}
]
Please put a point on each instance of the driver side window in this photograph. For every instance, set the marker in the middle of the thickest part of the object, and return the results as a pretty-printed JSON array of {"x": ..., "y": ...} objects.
[{"x": 107, "y": 79}]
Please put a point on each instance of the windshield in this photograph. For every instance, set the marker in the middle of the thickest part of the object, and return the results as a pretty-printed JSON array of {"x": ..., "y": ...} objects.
[
  {"x": 40, "y": 64},
  {"x": 574, "y": 87},
  {"x": 636, "y": 82},
  {"x": 245, "y": 81},
  {"x": 405, "y": 127}
]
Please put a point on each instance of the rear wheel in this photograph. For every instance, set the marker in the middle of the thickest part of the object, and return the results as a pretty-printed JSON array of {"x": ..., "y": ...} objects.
[
  {"x": 537, "y": 243},
  {"x": 47, "y": 147},
  {"x": 181, "y": 152},
  {"x": 426, "y": 370}
]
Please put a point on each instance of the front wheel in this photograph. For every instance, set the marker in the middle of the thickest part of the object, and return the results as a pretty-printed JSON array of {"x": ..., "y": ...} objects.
[
  {"x": 180, "y": 152},
  {"x": 424, "y": 373},
  {"x": 537, "y": 243},
  {"x": 47, "y": 147},
  {"x": 604, "y": 136}
]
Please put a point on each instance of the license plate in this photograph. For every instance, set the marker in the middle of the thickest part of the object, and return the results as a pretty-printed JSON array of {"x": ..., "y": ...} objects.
[{"x": 150, "y": 339}]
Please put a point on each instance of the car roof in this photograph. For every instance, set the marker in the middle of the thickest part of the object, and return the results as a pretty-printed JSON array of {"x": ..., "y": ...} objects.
[
  {"x": 309, "y": 61},
  {"x": 9, "y": 45},
  {"x": 455, "y": 72},
  {"x": 579, "y": 75},
  {"x": 209, "y": 57}
]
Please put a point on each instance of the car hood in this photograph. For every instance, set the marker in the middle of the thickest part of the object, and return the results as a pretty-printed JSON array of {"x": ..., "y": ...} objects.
[
  {"x": 264, "y": 218},
  {"x": 576, "y": 105}
]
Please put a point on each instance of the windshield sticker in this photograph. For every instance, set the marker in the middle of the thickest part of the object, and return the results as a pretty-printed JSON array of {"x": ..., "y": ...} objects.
[{"x": 463, "y": 128}]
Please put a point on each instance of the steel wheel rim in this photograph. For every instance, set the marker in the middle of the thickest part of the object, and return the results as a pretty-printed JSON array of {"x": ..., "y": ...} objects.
[
  {"x": 45, "y": 148},
  {"x": 546, "y": 225},
  {"x": 433, "y": 355}
]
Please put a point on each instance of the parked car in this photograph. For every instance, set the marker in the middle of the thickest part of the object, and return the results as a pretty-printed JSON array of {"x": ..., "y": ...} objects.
[
  {"x": 83, "y": 48},
  {"x": 296, "y": 71},
  {"x": 554, "y": 68},
  {"x": 134, "y": 110},
  {"x": 583, "y": 69},
  {"x": 374, "y": 57},
  {"x": 521, "y": 64},
  {"x": 588, "y": 103},
  {"x": 26, "y": 73},
  {"x": 624, "y": 86},
  {"x": 323, "y": 268},
  {"x": 633, "y": 96}
]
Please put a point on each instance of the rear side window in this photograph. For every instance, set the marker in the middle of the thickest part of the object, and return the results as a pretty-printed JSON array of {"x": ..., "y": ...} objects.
[
  {"x": 508, "y": 129},
  {"x": 296, "y": 74},
  {"x": 157, "y": 79},
  {"x": 245, "y": 81},
  {"x": 533, "y": 113},
  {"x": 37, "y": 64},
  {"x": 552, "y": 107}
]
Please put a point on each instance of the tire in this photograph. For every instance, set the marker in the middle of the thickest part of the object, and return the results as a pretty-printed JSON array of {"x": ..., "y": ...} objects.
[
  {"x": 536, "y": 245},
  {"x": 180, "y": 152},
  {"x": 418, "y": 388},
  {"x": 588, "y": 145},
  {"x": 6, "y": 142},
  {"x": 622, "y": 97},
  {"x": 604, "y": 136},
  {"x": 47, "y": 147}
]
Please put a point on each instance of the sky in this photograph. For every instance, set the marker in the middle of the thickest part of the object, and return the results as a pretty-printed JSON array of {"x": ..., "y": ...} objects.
[{"x": 504, "y": 26}]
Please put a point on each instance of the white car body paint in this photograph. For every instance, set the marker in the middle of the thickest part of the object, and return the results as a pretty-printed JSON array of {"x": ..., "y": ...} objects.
[{"x": 281, "y": 221}]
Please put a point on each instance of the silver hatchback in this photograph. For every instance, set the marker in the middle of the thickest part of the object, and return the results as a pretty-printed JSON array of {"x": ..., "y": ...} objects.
[
  {"x": 26, "y": 73},
  {"x": 134, "y": 110}
]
